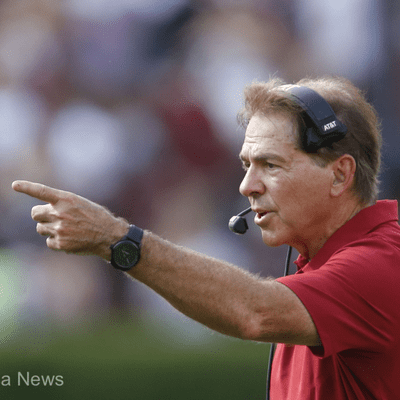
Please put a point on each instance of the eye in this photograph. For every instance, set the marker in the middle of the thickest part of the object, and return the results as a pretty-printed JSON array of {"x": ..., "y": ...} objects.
[
  {"x": 245, "y": 166},
  {"x": 270, "y": 165}
]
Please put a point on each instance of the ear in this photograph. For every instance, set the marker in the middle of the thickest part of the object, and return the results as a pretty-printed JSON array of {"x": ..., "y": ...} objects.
[{"x": 343, "y": 170}]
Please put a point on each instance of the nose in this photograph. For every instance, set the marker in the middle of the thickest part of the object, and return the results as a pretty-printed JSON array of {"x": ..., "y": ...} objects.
[{"x": 252, "y": 184}]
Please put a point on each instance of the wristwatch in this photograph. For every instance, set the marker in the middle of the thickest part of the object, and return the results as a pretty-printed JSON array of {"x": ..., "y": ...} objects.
[{"x": 125, "y": 254}]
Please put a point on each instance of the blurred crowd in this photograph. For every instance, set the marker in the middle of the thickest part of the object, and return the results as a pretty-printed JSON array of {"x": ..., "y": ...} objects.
[{"x": 133, "y": 103}]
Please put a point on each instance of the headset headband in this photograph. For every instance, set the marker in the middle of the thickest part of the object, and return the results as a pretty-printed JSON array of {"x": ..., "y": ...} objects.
[{"x": 322, "y": 126}]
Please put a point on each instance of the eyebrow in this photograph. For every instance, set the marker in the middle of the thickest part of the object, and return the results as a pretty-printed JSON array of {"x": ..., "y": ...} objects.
[{"x": 264, "y": 157}]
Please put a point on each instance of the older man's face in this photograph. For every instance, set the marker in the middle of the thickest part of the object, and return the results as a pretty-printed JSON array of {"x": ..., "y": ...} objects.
[{"x": 288, "y": 192}]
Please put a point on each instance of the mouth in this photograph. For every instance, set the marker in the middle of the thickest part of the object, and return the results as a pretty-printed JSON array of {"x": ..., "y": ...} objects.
[
  {"x": 260, "y": 216},
  {"x": 260, "y": 212}
]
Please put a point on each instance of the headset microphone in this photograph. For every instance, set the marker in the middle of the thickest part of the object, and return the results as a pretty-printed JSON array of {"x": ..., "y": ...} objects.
[{"x": 238, "y": 224}]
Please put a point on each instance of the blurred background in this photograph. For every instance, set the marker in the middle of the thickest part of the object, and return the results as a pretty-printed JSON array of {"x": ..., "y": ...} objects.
[{"x": 133, "y": 103}]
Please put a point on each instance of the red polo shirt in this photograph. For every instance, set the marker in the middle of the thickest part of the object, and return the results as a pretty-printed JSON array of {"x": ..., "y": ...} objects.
[{"x": 351, "y": 289}]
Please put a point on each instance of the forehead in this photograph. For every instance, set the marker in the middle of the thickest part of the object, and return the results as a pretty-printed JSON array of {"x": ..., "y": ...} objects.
[{"x": 266, "y": 134}]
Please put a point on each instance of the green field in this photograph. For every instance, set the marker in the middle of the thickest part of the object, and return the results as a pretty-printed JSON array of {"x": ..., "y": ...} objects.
[{"x": 115, "y": 360}]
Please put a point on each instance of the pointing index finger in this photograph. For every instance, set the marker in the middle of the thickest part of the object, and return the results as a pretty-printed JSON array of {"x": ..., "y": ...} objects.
[{"x": 38, "y": 191}]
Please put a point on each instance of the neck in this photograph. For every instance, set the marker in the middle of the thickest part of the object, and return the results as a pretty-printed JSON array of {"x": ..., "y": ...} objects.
[{"x": 337, "y": 218}]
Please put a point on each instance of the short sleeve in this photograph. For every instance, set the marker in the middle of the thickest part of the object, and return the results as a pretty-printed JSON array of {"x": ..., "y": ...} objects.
[{"x": 354, "y": 297}]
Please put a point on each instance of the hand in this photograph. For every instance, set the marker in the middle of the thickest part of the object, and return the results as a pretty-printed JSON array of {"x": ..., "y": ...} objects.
[{"x": 72, "y": 223}]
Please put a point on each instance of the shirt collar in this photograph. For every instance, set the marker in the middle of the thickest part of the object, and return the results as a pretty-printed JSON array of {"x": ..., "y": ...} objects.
[{"x": 362, "y": 223}]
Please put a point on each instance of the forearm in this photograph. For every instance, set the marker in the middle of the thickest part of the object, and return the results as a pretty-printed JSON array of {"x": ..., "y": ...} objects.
[{"x": 213, "y": 292}]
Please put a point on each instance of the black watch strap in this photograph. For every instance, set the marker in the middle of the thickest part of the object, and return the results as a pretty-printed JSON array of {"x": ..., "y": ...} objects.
[{"x": 135, "y": 234}]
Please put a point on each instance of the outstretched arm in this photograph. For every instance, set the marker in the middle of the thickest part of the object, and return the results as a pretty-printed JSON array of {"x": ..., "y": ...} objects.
[{"x": 215, "y": 293}]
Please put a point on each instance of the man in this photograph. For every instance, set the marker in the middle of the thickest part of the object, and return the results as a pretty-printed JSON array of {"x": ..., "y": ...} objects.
[{"x": 336, "y": 319}]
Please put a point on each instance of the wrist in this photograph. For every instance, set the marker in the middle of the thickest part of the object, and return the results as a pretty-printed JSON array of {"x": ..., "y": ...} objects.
[{"x": 120, "y": 229}]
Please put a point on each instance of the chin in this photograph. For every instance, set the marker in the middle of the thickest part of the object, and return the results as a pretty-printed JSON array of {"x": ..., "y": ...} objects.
[{"x": 272, "y": 241}]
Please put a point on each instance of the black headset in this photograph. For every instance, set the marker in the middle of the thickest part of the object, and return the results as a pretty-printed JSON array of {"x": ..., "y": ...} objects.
[{"x": 322, "y": 128}]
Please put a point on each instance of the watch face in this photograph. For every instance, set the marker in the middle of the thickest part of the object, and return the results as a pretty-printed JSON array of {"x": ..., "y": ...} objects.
[{"x": 126, "y": 254}]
